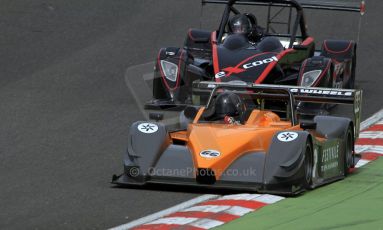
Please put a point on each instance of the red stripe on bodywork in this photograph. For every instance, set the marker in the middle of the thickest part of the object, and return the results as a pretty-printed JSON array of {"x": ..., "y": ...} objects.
[
  {"x": 213, "y": 41},
  {"x": 307, "y": 41},
  {"x": 242, "y": 203},
  {"x": 315, "y": 84},
  {"x": 271, "y": 66},
  {"x": 221, "y": 216},
  {"x": 369, "y": 141}
]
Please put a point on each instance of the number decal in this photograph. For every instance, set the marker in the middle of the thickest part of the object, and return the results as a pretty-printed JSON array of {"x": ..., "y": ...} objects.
[{"x": 210, "y": 154}]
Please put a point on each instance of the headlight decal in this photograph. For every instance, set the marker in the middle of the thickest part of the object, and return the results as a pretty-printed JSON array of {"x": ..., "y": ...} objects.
[
  {"x": 311, "y": 78},
  {"x": 169, "y": 71}
]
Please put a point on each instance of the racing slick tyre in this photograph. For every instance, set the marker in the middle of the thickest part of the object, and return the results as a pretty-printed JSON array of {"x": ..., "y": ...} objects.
[
  {"x": 348, "y": 151},
  {"x": 308, "y": 166}
]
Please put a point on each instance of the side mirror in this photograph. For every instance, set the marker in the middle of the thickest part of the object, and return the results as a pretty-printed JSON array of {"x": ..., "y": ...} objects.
[
  {"x": 156, "y": 116},
  {"x": 308, "y": 125},
  {"x": 190, "y": 112}
]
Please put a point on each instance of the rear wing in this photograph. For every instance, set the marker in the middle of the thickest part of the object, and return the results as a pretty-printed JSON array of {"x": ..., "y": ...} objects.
[
  {"x": 338, "y": 5},
  {"x": 291, "y": 93}
]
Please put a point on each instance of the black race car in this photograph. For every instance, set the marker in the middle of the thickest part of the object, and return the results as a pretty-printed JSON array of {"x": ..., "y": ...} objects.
[{"x": 242, "y": 50}]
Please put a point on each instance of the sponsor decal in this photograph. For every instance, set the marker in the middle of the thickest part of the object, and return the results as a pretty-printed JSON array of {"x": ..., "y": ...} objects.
[
  {"x": 147, "y": 128},
  {"x": 322, "y": 92},
  {"x": 231, "y": 70},
  {"x": 239, "y": 69},
  {"x": 211, "y": 86},
  {"x": 170, "y": 53},
  {"x": 287, "y": 136},
  {"x": 338, "y": 85},
  {"x": 330, "y": 158},
  {"x": 220, "y": 74},
  {"x": 261, "y": 62},
  {"x": 315, "y": 163},
  {"x": 209, "y": 154}
]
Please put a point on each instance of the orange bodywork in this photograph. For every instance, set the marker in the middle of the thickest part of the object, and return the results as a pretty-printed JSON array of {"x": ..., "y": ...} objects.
[{"x": 231, "y": 140}]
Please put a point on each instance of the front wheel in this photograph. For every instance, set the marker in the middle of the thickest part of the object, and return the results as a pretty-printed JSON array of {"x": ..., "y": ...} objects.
[
  {"x": 348, "y": 151},
  {"x": 308, "y": 166}
]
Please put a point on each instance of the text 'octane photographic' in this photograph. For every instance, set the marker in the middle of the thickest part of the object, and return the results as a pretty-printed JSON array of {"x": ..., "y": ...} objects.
[{"x": 190, "y": 172}]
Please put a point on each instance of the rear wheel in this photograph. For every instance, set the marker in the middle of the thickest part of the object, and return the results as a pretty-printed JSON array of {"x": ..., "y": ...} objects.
[
  {"x": 308, "y": 166},
  {"x": 348, "y": 151}
]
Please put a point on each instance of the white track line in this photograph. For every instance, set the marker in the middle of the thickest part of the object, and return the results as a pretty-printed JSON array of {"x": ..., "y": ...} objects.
[
  {"x": 361, "y": 163},
  {"x": 369, "y": 148},
  {"x": 371, "y": 120},
  {"x": 371, "y": 134},
  {"x": 174, "y": 220},
  {"x": 165, "y": 212},
  {"x": 206, "y": 223}
]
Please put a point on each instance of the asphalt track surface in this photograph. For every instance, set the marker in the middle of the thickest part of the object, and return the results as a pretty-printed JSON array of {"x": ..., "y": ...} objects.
[{"x": 65, "y": 109}]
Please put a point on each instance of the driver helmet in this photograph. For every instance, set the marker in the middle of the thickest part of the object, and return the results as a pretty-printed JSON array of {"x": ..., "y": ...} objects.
[
  {"x": 240, "y": 24},
  {"x": 228, "y": 104}
]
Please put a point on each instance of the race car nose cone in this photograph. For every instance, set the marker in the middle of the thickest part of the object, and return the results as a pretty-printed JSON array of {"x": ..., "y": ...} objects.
[{"x": 213, "y": 146}]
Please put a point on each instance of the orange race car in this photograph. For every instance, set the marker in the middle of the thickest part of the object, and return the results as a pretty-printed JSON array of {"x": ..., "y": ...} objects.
[{"x": 241, "y": 140}]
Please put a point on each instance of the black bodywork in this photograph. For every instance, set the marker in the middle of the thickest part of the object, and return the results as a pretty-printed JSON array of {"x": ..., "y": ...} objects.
[{"x": 277, "y": 58}]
